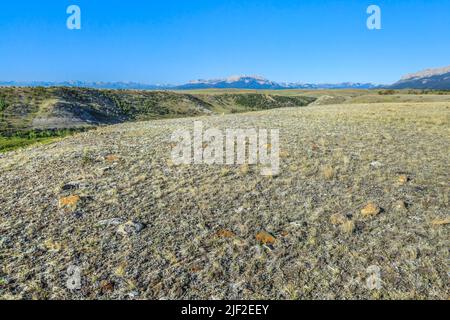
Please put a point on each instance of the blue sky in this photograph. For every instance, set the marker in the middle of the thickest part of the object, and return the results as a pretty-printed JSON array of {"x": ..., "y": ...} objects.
[{"x": 174, "y": 41}]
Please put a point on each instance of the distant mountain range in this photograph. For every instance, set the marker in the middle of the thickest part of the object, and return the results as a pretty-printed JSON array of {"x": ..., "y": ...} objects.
[
  {"x": 428, "y": 79},
  {"x": 237, "y": 82},
  {"x": 438, "y": 78},
  {"x": 257, "y": 82},
  {"x": 84, "y": 84}
]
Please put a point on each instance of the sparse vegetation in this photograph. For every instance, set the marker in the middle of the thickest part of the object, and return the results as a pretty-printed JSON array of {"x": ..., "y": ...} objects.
[{"x": 361, "y": 187}]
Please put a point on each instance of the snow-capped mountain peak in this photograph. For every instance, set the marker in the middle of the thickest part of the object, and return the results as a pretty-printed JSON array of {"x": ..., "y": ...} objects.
[{"x": 241, "y": 81}]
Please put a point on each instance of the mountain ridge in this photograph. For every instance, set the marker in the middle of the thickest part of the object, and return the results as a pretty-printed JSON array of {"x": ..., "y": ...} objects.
[
  {"x": 233, "y": 82},
  {"x": 435, "y": 78}
]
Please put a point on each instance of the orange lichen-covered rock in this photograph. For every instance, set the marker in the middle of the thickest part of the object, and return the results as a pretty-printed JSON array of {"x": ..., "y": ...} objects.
[
  {"x": 224, "y": 233},
  {"x": 265, "y": 238},
  {"x": 69, "y": 202}
]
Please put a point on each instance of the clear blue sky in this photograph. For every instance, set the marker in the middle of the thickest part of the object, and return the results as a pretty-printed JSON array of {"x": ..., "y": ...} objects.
[{"x": 174, "y": 41}]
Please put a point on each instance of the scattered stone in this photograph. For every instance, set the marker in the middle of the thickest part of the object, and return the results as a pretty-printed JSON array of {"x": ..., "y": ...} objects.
[
  {"x": 78, "y": 214},
  {"x": 370, "y": 210},
  {"x": 133, "y": 294},
  {"x": 110, "y": 222},
  {"x": 71, "y": 186},
  {"x": 224, "y": 233},
  {"x": 69, "y": 202},
  {"x": 130, "y": 228},
  {"x": 376, "y": 164},
  {"x": 265, "y": 238},
  {"x": 112, "y": 158},
  {"x": 239, "y": 210}
]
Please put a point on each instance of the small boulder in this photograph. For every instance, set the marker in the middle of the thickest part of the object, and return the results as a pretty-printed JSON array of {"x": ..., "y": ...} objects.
[
  {"x": 265, "y": 238},
  {"x": 129, "y": 228},
  {"x": 69, "y": 202}
]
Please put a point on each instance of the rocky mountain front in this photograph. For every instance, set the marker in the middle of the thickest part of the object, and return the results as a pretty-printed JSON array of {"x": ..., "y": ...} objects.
[{"x": 437, "y": 79}]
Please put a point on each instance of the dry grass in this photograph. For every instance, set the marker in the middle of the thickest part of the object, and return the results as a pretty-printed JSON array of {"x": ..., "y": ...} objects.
[{"x": 202, "y": 223}]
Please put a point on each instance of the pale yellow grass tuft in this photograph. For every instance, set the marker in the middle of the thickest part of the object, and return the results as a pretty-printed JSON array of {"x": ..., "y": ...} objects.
[{"x": 370, "y": 210}]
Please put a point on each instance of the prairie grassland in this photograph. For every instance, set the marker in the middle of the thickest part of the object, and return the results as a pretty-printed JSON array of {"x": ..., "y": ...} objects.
[{"x": 362, "y": 187}]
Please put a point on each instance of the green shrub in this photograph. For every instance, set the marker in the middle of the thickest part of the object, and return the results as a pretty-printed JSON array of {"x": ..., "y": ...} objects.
[
  {"x": 386, "y": 92},
  {"x": 3, "y": 104}
]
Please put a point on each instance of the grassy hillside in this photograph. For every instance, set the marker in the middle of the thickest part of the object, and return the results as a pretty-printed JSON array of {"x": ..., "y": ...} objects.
[
  {"x": 29, "y": 115},
  {"x": 24, "y": 109}
]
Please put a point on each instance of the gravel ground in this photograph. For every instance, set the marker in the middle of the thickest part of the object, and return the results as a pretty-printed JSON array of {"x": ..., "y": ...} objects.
[{"x": 360, "y": 210}]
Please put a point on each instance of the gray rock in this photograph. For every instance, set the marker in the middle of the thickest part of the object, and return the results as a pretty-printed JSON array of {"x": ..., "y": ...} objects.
[
  {"x": 71, "y": 186},
  {"x": 130, "y": 228},
  {"x": 110, "y": 222},
  {"x": 376, "y": 164}
]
